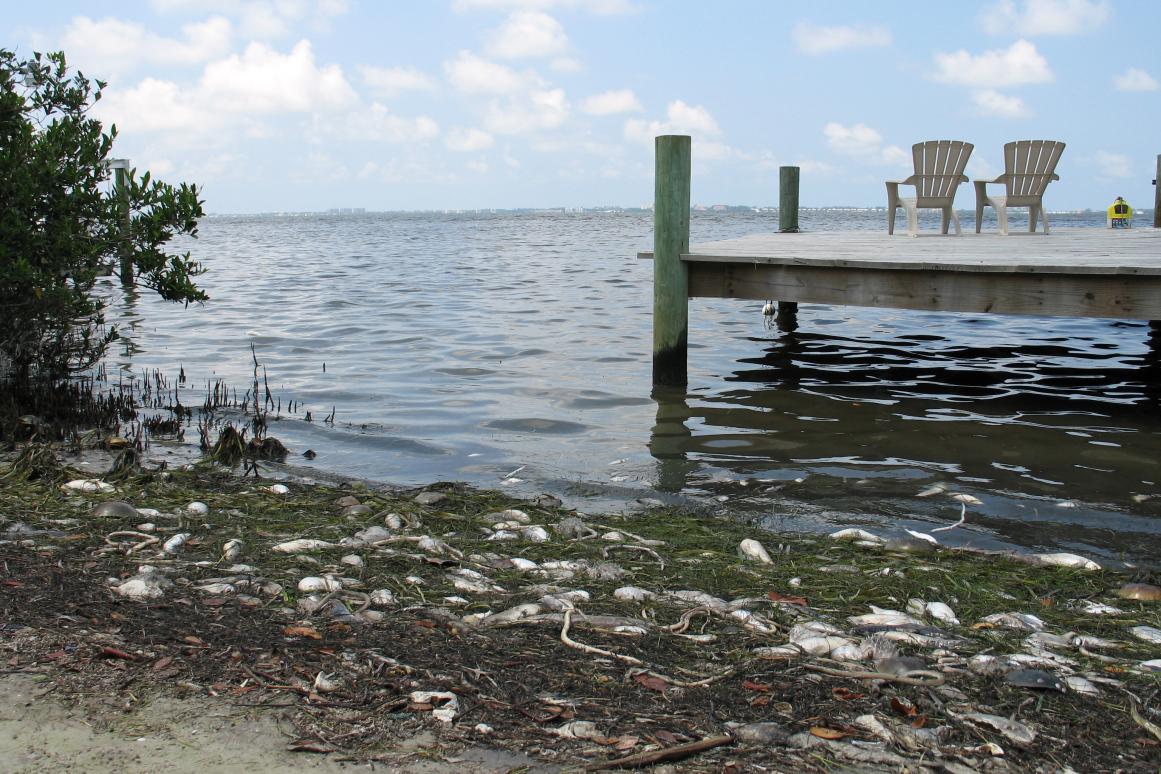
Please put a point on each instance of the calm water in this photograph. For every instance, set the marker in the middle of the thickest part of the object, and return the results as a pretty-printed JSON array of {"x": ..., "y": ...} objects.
[{"x": 492, "y": 347}]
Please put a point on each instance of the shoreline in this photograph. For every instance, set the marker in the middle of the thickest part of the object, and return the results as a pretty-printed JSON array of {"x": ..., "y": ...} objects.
[{"x": 571, "y": 648}]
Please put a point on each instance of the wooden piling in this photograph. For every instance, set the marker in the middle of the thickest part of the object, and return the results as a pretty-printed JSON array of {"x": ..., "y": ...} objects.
[
  {"x": 121, "y": 172},
  {"x": 670, "y": 275},
  {"x": 1157, "y": 196},
  {"x": 788, "y": 200}
]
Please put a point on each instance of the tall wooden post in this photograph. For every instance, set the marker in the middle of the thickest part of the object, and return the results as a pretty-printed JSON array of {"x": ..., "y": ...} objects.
[
  {"x": 670, "y": 275},
  {"x": 787, "y": 318},
  {"x": 788, "y": 200},
  {"x": 1157, "y": 196},
  {"x": 121, "y": 172}
]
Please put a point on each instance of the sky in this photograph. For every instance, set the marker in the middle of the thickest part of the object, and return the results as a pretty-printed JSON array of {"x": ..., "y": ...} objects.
[{"x": 307, "y": 105}]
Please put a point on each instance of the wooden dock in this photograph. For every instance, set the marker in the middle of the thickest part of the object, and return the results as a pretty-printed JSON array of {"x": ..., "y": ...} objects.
[{"x": 1071, "y": 272}]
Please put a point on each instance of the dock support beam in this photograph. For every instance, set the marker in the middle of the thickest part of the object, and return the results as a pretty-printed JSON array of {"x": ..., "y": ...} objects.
[
  {"x": 120, "y": 169},
  {"x": 670, "y": 274}
]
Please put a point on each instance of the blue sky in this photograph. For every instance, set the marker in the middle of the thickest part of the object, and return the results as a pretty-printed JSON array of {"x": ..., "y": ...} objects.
[{"x": 297, "y": 105}]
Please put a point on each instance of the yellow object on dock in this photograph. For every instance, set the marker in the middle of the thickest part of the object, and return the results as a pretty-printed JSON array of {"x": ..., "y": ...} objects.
[{"x": 1120, "y": 214}]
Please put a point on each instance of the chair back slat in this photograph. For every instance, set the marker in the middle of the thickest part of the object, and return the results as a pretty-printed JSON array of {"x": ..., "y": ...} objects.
[
  {"x": 1029, "y": 166},
  {"x": 939, "y": 166}
]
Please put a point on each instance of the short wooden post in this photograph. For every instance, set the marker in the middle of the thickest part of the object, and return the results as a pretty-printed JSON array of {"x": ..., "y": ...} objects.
[
  {"x": 121, "y": 172},
  {"x": 670, "y": 275},
  {"x": 788, "y": 200},
  {"x": 1157, "y": 196}
]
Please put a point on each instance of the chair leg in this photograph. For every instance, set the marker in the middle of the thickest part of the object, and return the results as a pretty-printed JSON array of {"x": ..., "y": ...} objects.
[
  {"x": 1002, "y": 218},
  {"x": 979, "y": 215},
  {"x": 891, "y": 218},
  {"x": 1032, "y": 212},
  {"x": 944, "y": 219}
]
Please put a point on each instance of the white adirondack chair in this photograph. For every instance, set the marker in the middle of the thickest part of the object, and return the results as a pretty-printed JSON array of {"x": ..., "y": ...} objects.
[
  {"x": 939, "y": 166},
  {"x": 1029, "y": 166}
]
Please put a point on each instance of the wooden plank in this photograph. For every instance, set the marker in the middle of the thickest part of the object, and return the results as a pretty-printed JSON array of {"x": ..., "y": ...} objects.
[
  {"x": 670, "y": 273},
  {"x": 1137, "y": 297}
]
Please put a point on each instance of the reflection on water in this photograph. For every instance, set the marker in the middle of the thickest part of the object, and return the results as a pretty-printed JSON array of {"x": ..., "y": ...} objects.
[{"x": 514, "y": 350}]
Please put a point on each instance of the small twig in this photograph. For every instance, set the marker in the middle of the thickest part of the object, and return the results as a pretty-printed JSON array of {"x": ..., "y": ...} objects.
[
  {"x": 674, "y": 753},
  {"x": 962, "y": 519},
  {"x": 626, "y": 547},
  {"x": 1148, "y": 725},
  {"x": 638, "y": 538},
  {"x": 589, "y": 648}
]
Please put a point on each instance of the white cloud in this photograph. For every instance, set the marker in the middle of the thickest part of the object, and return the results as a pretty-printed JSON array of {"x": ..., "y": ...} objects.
[
  {"x": 862, "y": 142},
  {"x": 683, "y": 118},
  {"x": 393, "y": 81},
  {"x": 476, "y": 75},
  {"x": 1113, "y": 166},
  {"x": 263, "y": 19},
  {"x": 566, "y": 64},
  {"x": 528, "y": 34},
  {"x": 478, "y": 166},
  {"x": 993, "y": 103},
  {"x": 610, "y": 102},
  {"x": 156, "y": 106},
  {"x": 379, "y": 123},
  {"x": 263, "y": 80},
  {"x": 468, "y": 140},
  {"x": 537, "y": 110},
  {"x": 1044, "y": 17},
  {"x": 111, "y": 46},
  {"x": 811, "y": 39},
  {"x": 1016, "y": 65},
  {"x": 1135, "y": 79},
  {"x": 598, "y": 7}
]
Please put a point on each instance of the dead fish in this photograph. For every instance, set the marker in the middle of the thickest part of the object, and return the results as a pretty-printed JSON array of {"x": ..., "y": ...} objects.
[
  {"x": 1145, "y": 592},
  {"x": 311, "y": 584},
  {"x": 754, "y": 551},
  {"x": 1025, "y": 621},
  {"x": 301, "y": 545},
  {"x": 278, "y": 489},
  {"x": 923, "y": 536},
  {"x": 934, "y": 489},
  {"x": 855, "y": 534},
  {"x": 632, "y": 594},
  {"x": 511, "y": 614},
  {"x": 216, "y": 589},
  {"x": 1066, "y": 560},
  {"x": 231, "y": 549},
  {"x": 174, "y": 544},
  {"x": 883, "y": 617},
  {"x": 1096, "y": 608},
  {"x": 381, "y": 598},
  {"x": 148, "y": 584},
  {"x": 87, "y": 486},
  {"x": 966, "y": 499},
  {"x": 535, "y": 534},
  {"x": 115, "y": 509},
  {"x": 1035, "y": 678},
  {"x": 1147, "y": 633},
  {"x": 197, "y": 508},
  {"x": 1016, "y": 732},
  {"x": 1078, "y": 684}
]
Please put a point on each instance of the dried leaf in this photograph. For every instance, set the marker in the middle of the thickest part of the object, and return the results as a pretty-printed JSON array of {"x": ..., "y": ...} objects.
[
  {"x": 846, "y": 694},
  {"x": 760, "y": 701},
  {"x": 651, "y": 682},
  {"x": 163, "y": 662},
  {"x": 755, "y": 686},
  {"x": 822, "y": 732},
  {"x": 789, "y": 599},
  {"x": 919, "y": 722},
  {"x": 627, "y": 742},
  {"x": 192, "y": 640},
  {"x": 666, "y": 737},
  {"x": 307, "y": 745},
  {"x": 903, "y": 707},
  {"x": 302, "y": 631}
]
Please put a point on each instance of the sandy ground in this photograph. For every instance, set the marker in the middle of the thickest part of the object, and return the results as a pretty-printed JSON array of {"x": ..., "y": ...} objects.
[{"x": 41, "y": 734}]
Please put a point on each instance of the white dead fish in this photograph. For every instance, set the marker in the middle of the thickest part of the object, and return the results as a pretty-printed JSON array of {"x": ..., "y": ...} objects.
[
  {"x": 301, "y": 545},
  {"x": 217, "y": 589},
  {"x": 579, "y": 729},
  {"x": 1078, "y": 684},
  {"x": 1145, "y": 592},
  {"x": 966, "y": 499},
  {"x": 311, "y": 584},
  {"x": 352, "y": 560},
  {"x": 511, "y": 614},
  {"x": 381, "y": 598},
  {"x": 197, "y": 508},
  {"x": 753, "y": 621},
  {"x": 941, "y": 612},
  {"x": 278, "y": 489},
  {"x": 145, "y": 585},
  {"x": 1017, "y": 732},
  {"x": 1066, "y": 560},
  {"x": 149, "y": 513},
  {"x": 147, "y": 526},
  {"x": 523, "y": 565},
  {"x": 174, "y": 544},
  {"x": 613, "y": 537},
  {"x": 324, "y": 683},
  {"x": 231, "y": 549},
  {"x": 632, "y": 594},
  {"x": 934, "y": 489},
  {"x": 1097, "y": 608},
  {"x": 754, "y": 551},
  {"x": 503, "y": 534},
  {"x": 1153, "y": 665},
  {"x": 115, "y": 509},
  {"x": 1147, "y": 633},
  {"x": 882, "y": 617},
  {"x": 87, "y": 486},
  {"x": 855, "y": 534},
  {"x": 1025, "y": 621},
  {"x": 535, "y": 534},
  {"x": 393, "y": 521}
]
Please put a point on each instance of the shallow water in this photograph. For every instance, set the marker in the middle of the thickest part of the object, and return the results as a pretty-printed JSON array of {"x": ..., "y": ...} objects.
[{"x": 493, "y": 347}]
